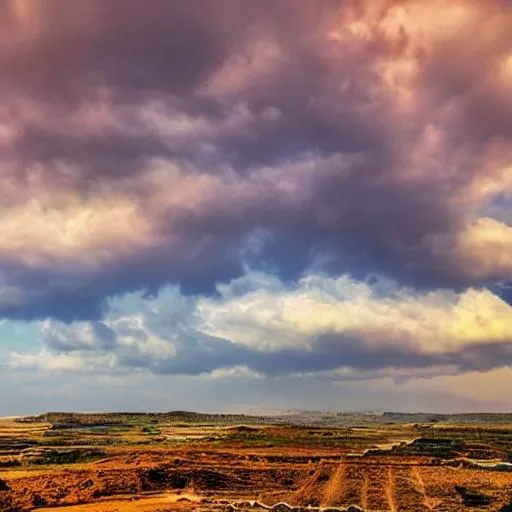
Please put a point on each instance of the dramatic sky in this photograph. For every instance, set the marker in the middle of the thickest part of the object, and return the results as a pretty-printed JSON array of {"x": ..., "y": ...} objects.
[{"x": 229, "y": 205}]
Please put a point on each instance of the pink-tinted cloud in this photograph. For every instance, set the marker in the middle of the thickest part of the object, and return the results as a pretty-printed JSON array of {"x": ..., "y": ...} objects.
[{"x": 147, "y": 144}]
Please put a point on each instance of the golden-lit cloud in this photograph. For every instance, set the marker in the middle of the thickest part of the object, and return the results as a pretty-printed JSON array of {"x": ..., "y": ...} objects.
[
  {"x": 486, "y": 248},
  {"x": 73, "y": 234},
  {"x": 53, "y": 223},
  {"x": 434, "y": 322}
]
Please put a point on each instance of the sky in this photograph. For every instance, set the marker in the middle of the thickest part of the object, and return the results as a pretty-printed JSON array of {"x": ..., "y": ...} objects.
[{"x": 229, "y": 205}]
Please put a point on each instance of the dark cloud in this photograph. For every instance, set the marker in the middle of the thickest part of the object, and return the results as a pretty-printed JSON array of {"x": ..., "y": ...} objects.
[
  {"x": 240, "y": 86},
  {"x": 64, "y": 52},
  {"x": 74, "y": 295},
  {"x": 331, "y": 352}
]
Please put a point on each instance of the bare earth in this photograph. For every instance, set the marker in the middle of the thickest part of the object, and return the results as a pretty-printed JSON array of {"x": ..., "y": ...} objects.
[{"x": 183, "y": 461}]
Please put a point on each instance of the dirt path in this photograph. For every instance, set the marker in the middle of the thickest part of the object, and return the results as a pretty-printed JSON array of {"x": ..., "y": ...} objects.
[
  {"x": 311, "y": 488},
  {"x": 334, "y": 487},
  {"x": 390, "y": 491},
  {"x": 364, "y": 492},
  {"x": 409, "y": 490},
  {"x": 429, "y": 502}
]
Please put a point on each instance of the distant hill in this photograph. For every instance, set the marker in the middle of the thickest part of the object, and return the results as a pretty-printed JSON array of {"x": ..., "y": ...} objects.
[{"x": 306, "y": 418}]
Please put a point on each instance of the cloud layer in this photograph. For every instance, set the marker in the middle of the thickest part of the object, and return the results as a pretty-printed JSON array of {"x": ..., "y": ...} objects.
[
  {"x": 159, "y": 150},
  {"x": 367, "y": 136},
  {"x": 330, "y": 327}
]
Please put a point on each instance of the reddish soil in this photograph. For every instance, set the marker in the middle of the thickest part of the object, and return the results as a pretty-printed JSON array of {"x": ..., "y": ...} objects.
[{"x": 230, "y": 474}]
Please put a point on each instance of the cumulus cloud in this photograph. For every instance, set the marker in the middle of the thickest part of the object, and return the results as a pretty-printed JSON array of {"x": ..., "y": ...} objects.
[
  {"x": 433, "y": 322},
  {"x": 486, "y": 248},
  {"x": 332, "y": 328}
]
